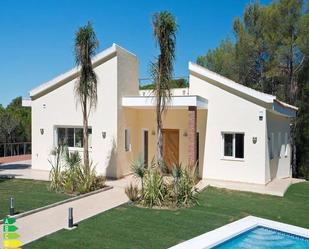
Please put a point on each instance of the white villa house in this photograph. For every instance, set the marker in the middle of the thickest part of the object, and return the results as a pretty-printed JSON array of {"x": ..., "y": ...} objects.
[{"x": 235, "y": 133}]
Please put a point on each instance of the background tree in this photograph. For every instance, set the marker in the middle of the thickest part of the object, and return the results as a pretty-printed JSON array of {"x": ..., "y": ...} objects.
[
  {"x": 164, "y": 31},
  {"x": 15, "y": 122},
  {"x": 270, "y": 54},
  {"x": 175, "y": 83},
  {"x": 86, "y": 44},
  {"x": 221, "y": 59}
]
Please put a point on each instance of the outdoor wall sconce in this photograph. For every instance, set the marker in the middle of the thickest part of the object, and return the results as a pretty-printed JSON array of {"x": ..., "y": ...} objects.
[
  {"x": 261, "y": 115},
  {"x": 104, "y": 134},
  {"x": 185, "y": 133},
  {"x": 42, "y": 131},
  {"x": 254, "y": 140},
  {"x": 153, "y": 132}
]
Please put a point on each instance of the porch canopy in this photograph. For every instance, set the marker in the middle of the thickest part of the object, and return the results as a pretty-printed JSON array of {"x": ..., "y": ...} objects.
[
  {"x": 191, "y": 103},
  {"x": 176, "y": 102}
]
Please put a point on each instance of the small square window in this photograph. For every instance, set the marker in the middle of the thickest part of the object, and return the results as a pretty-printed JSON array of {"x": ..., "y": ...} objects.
[{"x": 233, "y": 145}]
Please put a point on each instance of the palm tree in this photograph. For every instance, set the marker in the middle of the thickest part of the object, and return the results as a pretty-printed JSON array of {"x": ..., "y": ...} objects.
[
  {"x": 86, "y": 44},
  {"x": 164, "y": 31}
]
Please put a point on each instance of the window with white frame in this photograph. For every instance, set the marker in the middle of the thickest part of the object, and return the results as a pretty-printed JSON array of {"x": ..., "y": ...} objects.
[
  {"x": 72, "y": 137},
  {"x": 233, "y": 145},
  {"x": 127, "y": 140}
]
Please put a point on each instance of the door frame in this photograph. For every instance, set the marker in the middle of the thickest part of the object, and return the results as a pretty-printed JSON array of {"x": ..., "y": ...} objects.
[{"x": 143, "y": 145}]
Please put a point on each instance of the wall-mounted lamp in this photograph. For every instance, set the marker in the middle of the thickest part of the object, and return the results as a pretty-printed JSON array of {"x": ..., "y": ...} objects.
[
  {"x": 42, "y": 131},
  {"x": 104, "y": 134},
  {"x": 185, "y": 133},
  {"x": 261, "y": 114},
  {"x": 254, "y": 140},
  {"x": 153, "y": 132}
]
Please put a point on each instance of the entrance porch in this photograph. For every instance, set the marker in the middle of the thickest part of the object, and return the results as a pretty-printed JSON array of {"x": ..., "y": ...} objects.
[{"x": 184, "y": 129}]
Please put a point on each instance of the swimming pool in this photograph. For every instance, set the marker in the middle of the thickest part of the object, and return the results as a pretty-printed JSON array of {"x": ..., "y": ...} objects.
[
  {"x": 251, "y": 233},
  {"x": 263, "y": 237}
]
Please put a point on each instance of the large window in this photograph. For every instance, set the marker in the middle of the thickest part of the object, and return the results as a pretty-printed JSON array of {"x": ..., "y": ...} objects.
[
  {"x": 72, "y": 137},
  {"x": 233, "y": 145}
]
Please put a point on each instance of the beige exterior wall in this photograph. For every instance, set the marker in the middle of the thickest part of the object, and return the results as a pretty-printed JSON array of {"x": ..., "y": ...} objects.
[
  {"x": 127, "y": 86},
  {"x": 230, "y": 113},
  {"x": 278, "y": 149},
  {"x": 145, "y": 119}
]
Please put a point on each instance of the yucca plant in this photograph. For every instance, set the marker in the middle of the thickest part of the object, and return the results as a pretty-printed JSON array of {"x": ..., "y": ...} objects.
[
  {"x": 55, "y": 174},
  {"x": 139, "y": 170},
  {"x": 86, "y": 178},
  {"x": 177, "y": 174},
  {"x": 70, "y": 175},
  {"x": 154, "y": 189},
  {"x": 186, "y": 190}
]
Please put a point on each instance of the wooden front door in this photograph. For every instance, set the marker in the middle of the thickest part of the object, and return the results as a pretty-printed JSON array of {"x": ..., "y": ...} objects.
[{"x": 170, "y": 147}]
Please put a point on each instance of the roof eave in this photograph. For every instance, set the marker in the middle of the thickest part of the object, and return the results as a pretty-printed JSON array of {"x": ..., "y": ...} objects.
[{"x": 266, "y": 98}]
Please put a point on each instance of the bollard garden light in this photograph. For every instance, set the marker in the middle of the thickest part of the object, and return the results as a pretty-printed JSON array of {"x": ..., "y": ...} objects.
[
  {"x": 70, "y": 220},
  {"x": 12, "y": 206}
]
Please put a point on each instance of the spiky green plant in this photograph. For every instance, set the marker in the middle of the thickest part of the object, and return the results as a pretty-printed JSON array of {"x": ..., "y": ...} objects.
[
  {"x": 164, "y": 31},
  {"x": 154, "y": 188},
  {"x": 132, "y": 192},
  {"x": 177, "y": 174},
  {"x": 55, "y": 174},
  {"x": 70, "y": 175},
  {"x": 138, "y": 168},
  {"x": 186, "y": 190}
]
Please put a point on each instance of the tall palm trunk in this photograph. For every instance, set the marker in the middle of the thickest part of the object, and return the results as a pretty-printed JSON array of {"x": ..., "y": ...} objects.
[
  {"x": 159, "y": 133},
  {"x": 86, "y": 87},
  {"x": 85, "y": 135},
  {"x": 164, "y": 30}
]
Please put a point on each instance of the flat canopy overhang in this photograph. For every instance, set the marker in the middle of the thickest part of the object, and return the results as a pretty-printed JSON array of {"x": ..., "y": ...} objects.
[{"x": 176, "y": 102}]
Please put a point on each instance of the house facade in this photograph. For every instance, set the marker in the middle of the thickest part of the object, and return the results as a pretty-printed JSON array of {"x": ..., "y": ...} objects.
[{"x": 234, "y": 133}]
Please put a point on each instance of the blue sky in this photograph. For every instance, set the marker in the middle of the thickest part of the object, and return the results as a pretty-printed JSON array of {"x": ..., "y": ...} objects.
[{"x": 37, "y": 37}]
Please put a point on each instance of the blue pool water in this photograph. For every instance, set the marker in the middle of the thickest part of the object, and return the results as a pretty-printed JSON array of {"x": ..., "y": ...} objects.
[{"x": 262, "y": 237}]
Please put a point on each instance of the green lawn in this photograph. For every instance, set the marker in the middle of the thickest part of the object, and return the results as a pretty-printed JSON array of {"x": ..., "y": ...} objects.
[
  {"x": 132, "y": 227},
  {"x": 28, "y": 194}
]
